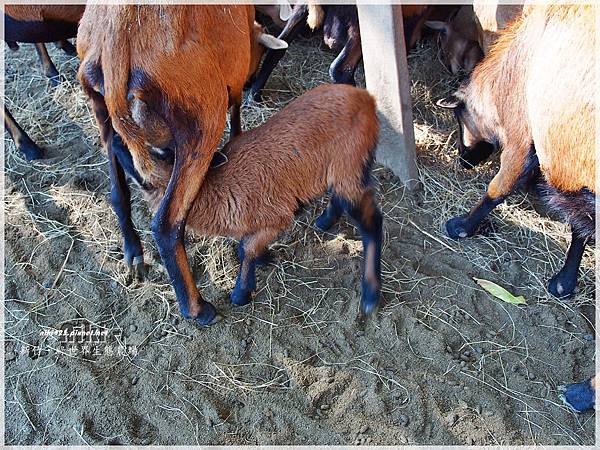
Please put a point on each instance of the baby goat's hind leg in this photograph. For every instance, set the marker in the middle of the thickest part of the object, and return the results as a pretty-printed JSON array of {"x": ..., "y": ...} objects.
[
  {"x": 369, "y": 220},
  {"x": 250, "y": 249}
]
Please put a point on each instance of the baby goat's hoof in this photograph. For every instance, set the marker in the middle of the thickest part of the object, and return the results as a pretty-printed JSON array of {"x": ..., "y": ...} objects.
[
  {"x": 240, "y": 297},
  {"x": 369, "y": 299},
  {"x": 457, "y": 228},
  {"x": 208, "y": 316},
  {"x": 562, "y": 285},
  {"x": 578, "y": 396},
  {"x": 31, "y": 150}
]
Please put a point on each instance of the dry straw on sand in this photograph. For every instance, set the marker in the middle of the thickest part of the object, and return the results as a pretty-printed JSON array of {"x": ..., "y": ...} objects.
[{"x": 295, "y": 355}]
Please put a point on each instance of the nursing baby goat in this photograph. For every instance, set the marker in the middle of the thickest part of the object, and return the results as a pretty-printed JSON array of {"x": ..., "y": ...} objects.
[
  {"x": 294, "y": 157},
  {"x": 522, "y": 99}
]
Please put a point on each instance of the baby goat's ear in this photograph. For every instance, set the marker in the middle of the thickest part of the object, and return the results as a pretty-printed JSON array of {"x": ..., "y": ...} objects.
[{"x": 449, "y": 102}]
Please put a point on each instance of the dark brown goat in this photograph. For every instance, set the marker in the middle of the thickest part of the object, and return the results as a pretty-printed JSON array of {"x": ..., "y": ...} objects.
[
  {"x": 164, "y": 96},
  {"x": 521, "y": 99},
  {"x": 341, "y": 32},
  {"x": 38, "y": 24},
  {"x": 458, "y": 40},
  {"x": 324, "y": 139}
]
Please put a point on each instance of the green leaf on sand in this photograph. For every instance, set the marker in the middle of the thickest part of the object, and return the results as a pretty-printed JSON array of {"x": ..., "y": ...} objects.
[{"x": 500, "y": 292}]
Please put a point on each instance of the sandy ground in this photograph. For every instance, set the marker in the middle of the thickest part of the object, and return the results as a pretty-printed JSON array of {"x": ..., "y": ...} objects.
[{"x": 441, "y": 363}]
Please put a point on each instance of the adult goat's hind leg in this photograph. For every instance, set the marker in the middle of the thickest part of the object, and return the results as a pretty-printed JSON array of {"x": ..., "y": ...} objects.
[
  {"x": 564, "y": 282},
  {"x": 120, "y": 196},
  {"x": 168, "y": 228},
  {"x": 23, "y": 142},
  {"x": 250, "y": 250},
  {"x": 47, "y": 64}
]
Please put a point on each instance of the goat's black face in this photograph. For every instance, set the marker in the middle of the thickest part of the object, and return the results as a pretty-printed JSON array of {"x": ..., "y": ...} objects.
[{"x": 472, "y": 148}]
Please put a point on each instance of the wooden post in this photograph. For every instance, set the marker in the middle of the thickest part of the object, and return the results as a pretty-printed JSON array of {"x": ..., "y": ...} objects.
[{"x": 386, "y": 73}]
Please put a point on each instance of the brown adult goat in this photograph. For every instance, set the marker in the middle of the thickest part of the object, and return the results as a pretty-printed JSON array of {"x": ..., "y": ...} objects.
[
  {"x": 520, "y": 98},
  {"x": 160, "y": 96}
]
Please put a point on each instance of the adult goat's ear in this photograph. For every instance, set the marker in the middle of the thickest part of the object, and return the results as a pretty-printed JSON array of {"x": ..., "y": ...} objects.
[
  {"x": 272, "y": 42},
  {"x": 449, "y": 102}
]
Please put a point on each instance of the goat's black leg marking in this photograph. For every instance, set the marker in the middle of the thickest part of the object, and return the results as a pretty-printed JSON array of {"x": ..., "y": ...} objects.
[
  {"x": 292, "y": 28},
  {"x": 66, "y": 47},
  {"x": 563, "y": 283},
  {"x": 332, "y": 213},
  {"x": 465, "y": 225},
  {"x": 251, "y": 250},
  {"x": 47, "y": 64},
  {"x": 246, "y": 280},
  {"x": 120, "y": 197},
  {"x": 370, "y": 223},
  {"x": 579, "y": 397},
  {"x": 168, "y": 228},
  {"x": 23, "y": 142}
]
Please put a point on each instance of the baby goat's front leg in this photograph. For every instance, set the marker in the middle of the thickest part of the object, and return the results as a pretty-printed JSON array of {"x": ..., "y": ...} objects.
[{"x": 250, "y": 249}]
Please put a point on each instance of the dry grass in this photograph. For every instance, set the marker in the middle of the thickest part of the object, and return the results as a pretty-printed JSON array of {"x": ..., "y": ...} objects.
[{"x": 64, "y": 202}]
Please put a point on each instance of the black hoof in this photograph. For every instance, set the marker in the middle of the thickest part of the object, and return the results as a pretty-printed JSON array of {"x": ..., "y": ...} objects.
[
  {"x": 457, "y": 228},
  {"x": 561, "y": 285},
  {"x": 579, "y": 397},
  {"x": 240, "y": 297},
  {"x": 209, "y": 315},
  {"x": 31, "y": 151},
  {"x": 369, "y": 299}
]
